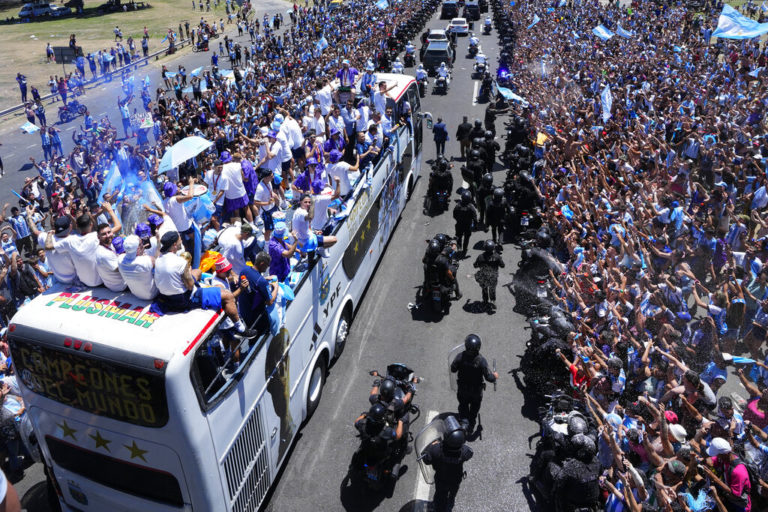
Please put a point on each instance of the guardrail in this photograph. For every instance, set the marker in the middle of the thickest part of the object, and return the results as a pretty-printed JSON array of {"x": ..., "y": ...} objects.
[{"x": 107, "y": 77}]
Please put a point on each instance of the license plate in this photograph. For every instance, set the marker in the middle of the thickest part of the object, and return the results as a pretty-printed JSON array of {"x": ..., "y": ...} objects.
[
  {"x": 541, "y": 293},
  {"x": 524, "y": 221},
  {"x": 436, "y": 295},
  {"x": 372, "y": 474}
]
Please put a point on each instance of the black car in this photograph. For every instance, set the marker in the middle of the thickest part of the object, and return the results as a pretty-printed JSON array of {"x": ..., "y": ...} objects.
[
  {"x": 472, "y": 11},
  {"x": 450, "y": 10},
  {"x": 436, "y": 53}
]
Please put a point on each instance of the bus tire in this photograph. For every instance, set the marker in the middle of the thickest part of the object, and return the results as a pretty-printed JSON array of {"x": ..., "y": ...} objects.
[
  {"x": 316, "y": 383},
  {"x": 410, "y": 187},
  {"x": 342, "y": 332}
]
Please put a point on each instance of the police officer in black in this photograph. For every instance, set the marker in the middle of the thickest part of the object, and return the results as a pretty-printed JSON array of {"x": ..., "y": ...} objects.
[
  {"x": 465, "y": 216},
  {"x": 473, "y": 171},
  {"x": 491, "y": 111},
  {"x": 472, "y": 368},
  {"x": 495, "y": 212},
  {"x": 477, "y": 130},
  {"x": 576, "y": 481},
  {"x": 437, "y": 267},
  {"x": 440, "y": 179},
  {"x": 487, "y": 275},
  {"x": 484, "y": 192},
  {"x": 447, "y": 457},
  {"x": 491, "y": 147},
  {"x": 376, "y": 435}
]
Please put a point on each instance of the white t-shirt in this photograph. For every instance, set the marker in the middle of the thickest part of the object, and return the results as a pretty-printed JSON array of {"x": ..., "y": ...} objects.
[
  {"x": 301, "y": 225},
  {"x": 166, "y": 226},
  {"x": 274, "y": 163},
  {"x": 318, "y": 125},
  {"x": 60, "y": 261},
  {"x": 324, "y": 97},
  {"x": 380, "y": 102},
  {"x": 321, "y": 209},
  {"x": 285, "y": 146},
  {"x": 215, "y": 185},
  {"x": 263, "y": 194},
  {"x": 362, "y": 121},
  {"x": 106, "y": 265},
  {"x": 233, "y": 248},
  {"x": 138, "y": 275},
  {"x": 169, "y": 268},
  {"x": 232, "y": 177},
  {"x": 178, "y": 213},
  {"x": 341, "y": 170},
  {"x": 82, "y": 250},
  {"x": 292, "y": 129}
]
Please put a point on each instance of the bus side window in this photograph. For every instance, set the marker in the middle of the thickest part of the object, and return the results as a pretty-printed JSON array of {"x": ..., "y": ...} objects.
[{"x": 413, "y": 99}]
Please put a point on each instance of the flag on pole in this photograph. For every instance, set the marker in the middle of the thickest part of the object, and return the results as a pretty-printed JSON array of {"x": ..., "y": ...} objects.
[
  {"x": 536, "y": 19},
  {"x": 606, "y": 99},
  {"x": 602, "y": 32}
]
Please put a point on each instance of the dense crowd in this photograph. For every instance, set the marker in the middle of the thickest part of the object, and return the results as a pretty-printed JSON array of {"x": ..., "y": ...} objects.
[{"x": 658, "y": 210}]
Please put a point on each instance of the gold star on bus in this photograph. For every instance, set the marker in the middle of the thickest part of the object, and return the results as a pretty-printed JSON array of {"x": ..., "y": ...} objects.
[
  {"x": 356, "y": 247},
  {"x": 100, "y": 441},
  {"x": 369, "y": 224},
  {"x": 136, "y": 451},
  {"x": 67, "y": 430},
  {"x": 362, "y": 236}
]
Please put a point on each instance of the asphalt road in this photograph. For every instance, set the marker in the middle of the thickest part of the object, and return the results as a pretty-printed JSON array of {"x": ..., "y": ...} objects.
[
  {"x": 101, "y": 99},
  {"x": 386, "y": 331}
]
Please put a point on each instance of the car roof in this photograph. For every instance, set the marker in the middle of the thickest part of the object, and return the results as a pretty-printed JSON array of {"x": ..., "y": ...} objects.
[
  {"x": 447, "y": 2},
  {"x": 459, "y": 20},
  {"x": 436, "y": 31},
  {"x": 437, "y": 45}
]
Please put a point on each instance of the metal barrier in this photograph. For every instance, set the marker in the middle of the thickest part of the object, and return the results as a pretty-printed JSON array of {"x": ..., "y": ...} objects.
[{"x": 107, "y": 77}]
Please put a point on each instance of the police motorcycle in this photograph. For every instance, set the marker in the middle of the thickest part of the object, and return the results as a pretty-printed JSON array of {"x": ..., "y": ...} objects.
[
  {"x": 409, "y": 59},
  {"x": 487, "y": 26},
  {"x": 485, "y": 92},
  {"x": 435, "y": 291},
  {"x": 422, "y": 80},
  {"x": 397, "y": 66},
  {"x": 474, "y": 45},
  {"x": 442, "y": 80},
  {"x": 480, "y": 66},
  {"x": 377, "y": 461},
  {"x": 440, "y": 186},
  {"x": 568, "y": 444},
  {"x": 530, "y": 282}
]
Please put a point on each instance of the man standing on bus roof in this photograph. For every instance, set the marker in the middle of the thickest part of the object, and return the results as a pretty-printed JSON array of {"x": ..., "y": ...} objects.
[
  {"x": 176, "y": 284},
  {"x": 60, "y": 261},
  {"x": 380, "y": 96}
]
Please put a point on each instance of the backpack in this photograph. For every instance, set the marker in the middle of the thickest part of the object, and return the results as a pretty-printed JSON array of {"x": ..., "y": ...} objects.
[{"x": 741, "y": 501}]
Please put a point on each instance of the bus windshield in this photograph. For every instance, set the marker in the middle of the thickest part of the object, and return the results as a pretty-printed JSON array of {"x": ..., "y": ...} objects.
[{"x": 93, "y": 385}]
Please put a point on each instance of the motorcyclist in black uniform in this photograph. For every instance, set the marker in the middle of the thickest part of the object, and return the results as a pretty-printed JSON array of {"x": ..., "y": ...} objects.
[
  {"x": 447, "y": 457},
  {"x": 449, "y": 251},
  {"x": 437, "y": 268},
  {"x": 495, "y": 212},
  {"x": 440, "y": 179},
  {"x": 472, "y": 368},
  {"x": 575, "y": 482},
  {"x": 487, "y": 276},
  {"x": 484, "y": 192},
  {"x": 465, "y": 216},
  {"x": 490, "y": 146},
  {"x": 377, "y": 437}
]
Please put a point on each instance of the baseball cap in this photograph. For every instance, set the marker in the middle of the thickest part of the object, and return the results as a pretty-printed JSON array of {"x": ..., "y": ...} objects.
[
  {"x": 168, "y": 239},
  {"x": 718, "y": 446},
  {"x": 272, "y": 134},
  {"x": 671, "y": 416},
  {"x": 155, "y": 219},
  {"x": 676, "y": 467},
  {"x": 223, "y": 265},
  {"x": 130, "y": 246},
  {"x": 62, "y": 224},
  {"x": 117, "y": 243}
]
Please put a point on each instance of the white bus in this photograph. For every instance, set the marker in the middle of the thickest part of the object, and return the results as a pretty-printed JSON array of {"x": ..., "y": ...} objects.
[{"x": 131, "y": 411}]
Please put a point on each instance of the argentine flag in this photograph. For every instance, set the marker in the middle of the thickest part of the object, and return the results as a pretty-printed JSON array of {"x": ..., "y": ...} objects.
[
  {"x": 606, "y": 98},
  {"x": 602, "y": 32},
  {"x": 382, "y": 4},
  {"x": 623, "y": 33},
  {"x": 536, "y": 19}
]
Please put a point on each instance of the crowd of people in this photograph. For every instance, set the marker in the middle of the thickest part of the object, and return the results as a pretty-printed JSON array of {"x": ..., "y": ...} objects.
[{"x": 656, "y": 196}]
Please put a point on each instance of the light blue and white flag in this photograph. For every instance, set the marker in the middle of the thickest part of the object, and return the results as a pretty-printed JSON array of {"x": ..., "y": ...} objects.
[
  {"x": 764, "y": 7},
  {"x": 382, "y": 4},
  {"x": 29, "y": 127},
  {"x": 606, "y": 99},
  {"x": 602, "y": 32},
  {"x": 322, "y": 44},
  {"x": 509, "y": 95},
  {"x": 734, "y": 25},
  {"x": 561, "y": 4},
  {"x": 196, "y": 71},
  {"x": 536, "y": 19},
  {"x": 756, "y": 72},
  {"x": 623, "y": 33},
  {"x": 576, "y": 35}
]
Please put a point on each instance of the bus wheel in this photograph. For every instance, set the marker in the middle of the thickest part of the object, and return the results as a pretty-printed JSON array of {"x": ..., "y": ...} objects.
[
  {"x": 342, "y": 333},
  {"x": 316, "y": 383},
  {"x": 410, "y": 188}
]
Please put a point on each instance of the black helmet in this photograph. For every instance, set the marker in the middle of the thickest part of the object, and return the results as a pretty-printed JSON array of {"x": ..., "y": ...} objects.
[
  {"x": 453, "y": 434},
  {"x": 442, "y": 239},
  {"x": 498, "y": 194},
  {"x": 472, "y": 343},
  {"x": 543, "y": 239},
  {"x": 376, "y": 413},
  {"x": 478, "y": 123},
  {"x": 576, "y": 425},
  {"x": 477, "y": 142},
  {"x": 433, "y": 249},
  {"x": 466, "y": 197},
  {"x": 488, "y": 134},
  {"x": 488, "y": 179},
  {"x": 583, "y": 447},
  {"x": 474, "y": 154},
  {"x": 489, "y": 246},
  {"x": 387, "y": 390}
]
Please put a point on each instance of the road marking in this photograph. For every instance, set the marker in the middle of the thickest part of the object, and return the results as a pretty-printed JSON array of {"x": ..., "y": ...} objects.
[
  {"x": 9, "y": 155},
  {"x": 422, "y": 487},
  {"x": 31, "y": 146},
  {"x": 71, "y": 128},
  {"x": 474, "y": 93}
]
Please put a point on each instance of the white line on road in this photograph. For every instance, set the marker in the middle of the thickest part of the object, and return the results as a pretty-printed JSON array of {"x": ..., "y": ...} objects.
[
  {"x": 422, "y": 487},
  {"x": 71, "y": 128},
  {"x": 474, "y": 93},
  {"x": 31, "y": 146},
  {"x": 9, "y": 155}
]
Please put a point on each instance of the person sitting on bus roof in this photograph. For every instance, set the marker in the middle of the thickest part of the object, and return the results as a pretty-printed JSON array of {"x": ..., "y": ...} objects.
[
  {"x": 237, "y": 244},
  {"x": 177, "y": 291},
  {"x": 107, "y": 259},
  {"x": 309, "y": 240},
  {"x": 82, "y": 246},
  {"x": 225, "y": 279},
  {"x": 281, "y": 251},
  {"x": 366, "y": 152},
  {"x": 258, "y": 293},
  {"x": 137, "y": 267}
]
